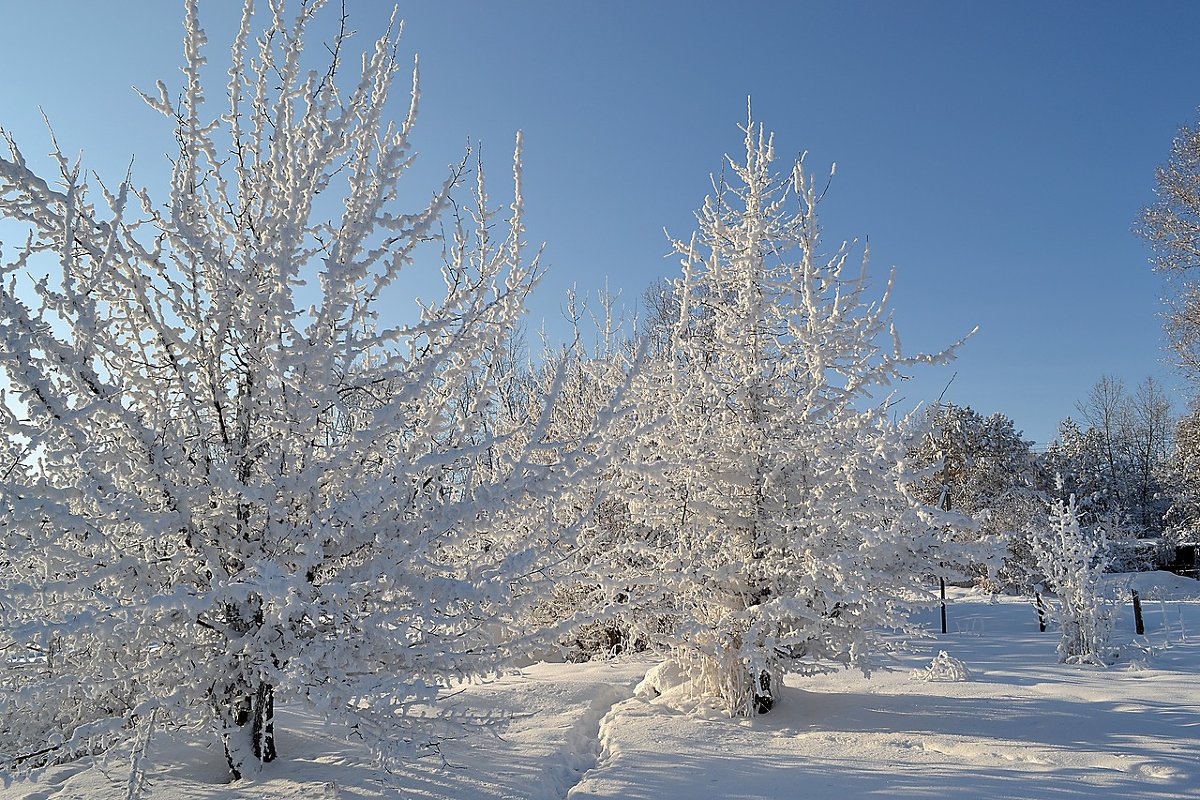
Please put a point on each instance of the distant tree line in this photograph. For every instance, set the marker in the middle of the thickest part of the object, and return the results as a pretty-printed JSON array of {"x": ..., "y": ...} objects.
[{"x": 1128, "y": 461}]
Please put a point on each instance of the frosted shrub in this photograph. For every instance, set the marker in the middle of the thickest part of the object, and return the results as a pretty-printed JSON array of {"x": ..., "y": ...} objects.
[
  {"x": 1073, "y": 560},
  {"x": 584, "y": 377},
  {"x": 944, "y": 667}
]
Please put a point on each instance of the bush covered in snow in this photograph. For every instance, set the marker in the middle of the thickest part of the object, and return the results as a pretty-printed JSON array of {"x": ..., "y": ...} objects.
[
  {"x": 944, "y": 667},
  {"x": 1073, "y": 560}
]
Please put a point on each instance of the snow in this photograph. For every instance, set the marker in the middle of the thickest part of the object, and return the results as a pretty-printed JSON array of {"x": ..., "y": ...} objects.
[
  {"x": 554, "y": 713},
  {"x": 1017, "y": 725}
]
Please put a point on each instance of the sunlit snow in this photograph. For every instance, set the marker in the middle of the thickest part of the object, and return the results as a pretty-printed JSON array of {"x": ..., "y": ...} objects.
[{"x": 1019, "y": 725}]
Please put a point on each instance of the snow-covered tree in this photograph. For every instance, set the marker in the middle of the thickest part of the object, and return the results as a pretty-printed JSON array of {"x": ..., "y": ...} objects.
[
  {"x": 1073, "y": 559},
  {"x": 777, "y": 483},
  {"x": 1115, "y": 466},
  {"x": 583, "y": 377},
  {"x": 979, "y": 461},
  {"x": 1171, "y": 225},
  {"x": 982, "y": 467},
  {"x": 1183, "y": 476},
  {"x": 1076, "y": 457},
  {"x": 1107, "y": 412},
  {"x": 231, "y": 479},
  {"x": 658, "y": 312},
  {"x": 1151, "y": 428}
]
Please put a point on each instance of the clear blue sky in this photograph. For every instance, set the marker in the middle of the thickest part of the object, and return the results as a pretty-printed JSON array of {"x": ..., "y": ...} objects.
[{"x": 996, "y": 155}]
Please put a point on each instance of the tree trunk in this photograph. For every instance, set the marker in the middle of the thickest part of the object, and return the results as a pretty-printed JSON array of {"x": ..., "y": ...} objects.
[
  {"x": 764, "y": 699},
  {"x": 249, "y": 735},
  {"x": 263, "y": 730}
]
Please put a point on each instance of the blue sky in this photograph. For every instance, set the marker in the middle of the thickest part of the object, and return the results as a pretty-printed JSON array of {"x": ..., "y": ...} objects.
[{"x": 996, "y": 155}]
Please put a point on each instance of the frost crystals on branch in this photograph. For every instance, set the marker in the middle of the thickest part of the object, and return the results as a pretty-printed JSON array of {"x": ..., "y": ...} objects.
[{"x": 218, "y": 495}]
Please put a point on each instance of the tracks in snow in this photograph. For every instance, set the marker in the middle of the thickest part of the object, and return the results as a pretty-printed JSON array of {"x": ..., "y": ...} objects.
[{"x": 583, "y": 748}]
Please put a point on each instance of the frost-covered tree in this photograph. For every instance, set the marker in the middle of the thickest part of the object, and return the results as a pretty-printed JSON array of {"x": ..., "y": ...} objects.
[
  {"x": 584, "y": 376},
  {"x": 982, "y": 467},
  {"x": 657, "y": 314},
  {"x": 1107, "y": 412},
  {"x": 1115, "y": 466},
  {"x": 978, "y": 460},
  {"x": 1152, "y": 425},
  {"x": 1183, "y": 476},
  {"x": 1076, "y": 457},
  {"x": 777, "y": 482},
  {"x": 1073, "y": 560},
  {"x": 1171, "y": 225},
  {"x": 227, "y": 478}
]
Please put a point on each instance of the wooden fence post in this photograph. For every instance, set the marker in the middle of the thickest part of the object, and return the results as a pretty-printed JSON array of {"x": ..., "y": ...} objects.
[
  {"x": 1139, "y": 626},
  {"x": 943, "y": 586}
]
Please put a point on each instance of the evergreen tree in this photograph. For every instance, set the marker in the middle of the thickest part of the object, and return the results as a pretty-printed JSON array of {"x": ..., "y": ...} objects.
[
  {"x": 777, "y": 482},
  {"x": 983, "y": 468}
]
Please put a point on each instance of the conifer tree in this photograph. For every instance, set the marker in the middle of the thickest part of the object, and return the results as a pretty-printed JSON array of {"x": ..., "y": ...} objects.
[{"x": 779, "y": 483}]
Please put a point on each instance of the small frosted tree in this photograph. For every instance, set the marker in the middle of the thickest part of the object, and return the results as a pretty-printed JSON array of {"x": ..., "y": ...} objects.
[
  {"x": 225, "y": 477},
  {"x": 777, "y": 483},
  {"x": 1073, "y": 559}
]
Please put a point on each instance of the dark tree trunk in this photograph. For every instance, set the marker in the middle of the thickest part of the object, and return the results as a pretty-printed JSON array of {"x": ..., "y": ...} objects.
[
  {"x": 764, "y": 700},
  {"x": 263, "y": 730},
  {"x": 250, "y": 712}
]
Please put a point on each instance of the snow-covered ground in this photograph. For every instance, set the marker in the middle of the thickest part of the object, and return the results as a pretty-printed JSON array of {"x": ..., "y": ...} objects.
[{"x": 1020, "y": 726}]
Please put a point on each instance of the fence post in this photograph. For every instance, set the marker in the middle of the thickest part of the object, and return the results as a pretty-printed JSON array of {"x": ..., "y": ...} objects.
[
  {"x": 1139, "y": 626},
  {"x": 942, "y": 581}
]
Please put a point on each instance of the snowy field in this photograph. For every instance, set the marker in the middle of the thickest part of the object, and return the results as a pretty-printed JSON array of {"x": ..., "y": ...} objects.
[{"x": 1019, "y": 726}]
